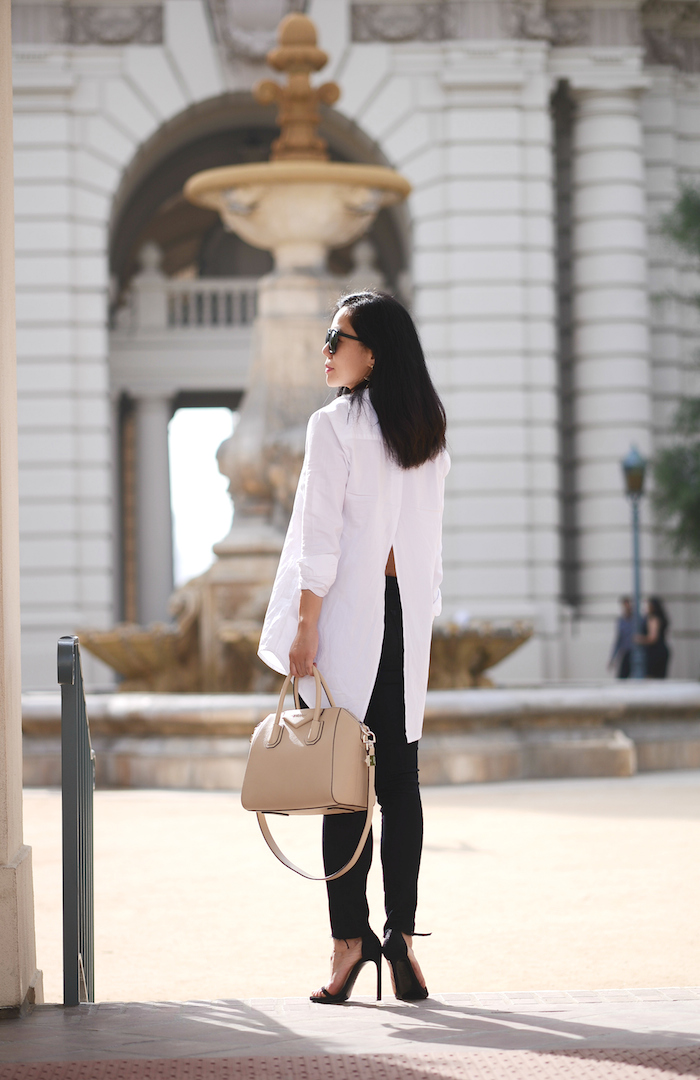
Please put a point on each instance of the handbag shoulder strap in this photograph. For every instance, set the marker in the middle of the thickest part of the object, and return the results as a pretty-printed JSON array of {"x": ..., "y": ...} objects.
[{"x": 265, "y": 830}]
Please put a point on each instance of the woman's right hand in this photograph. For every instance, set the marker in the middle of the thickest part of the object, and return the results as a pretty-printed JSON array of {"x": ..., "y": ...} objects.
[
  {"x": 305, "y": 645},
  {"x": 303, "y": 650}
]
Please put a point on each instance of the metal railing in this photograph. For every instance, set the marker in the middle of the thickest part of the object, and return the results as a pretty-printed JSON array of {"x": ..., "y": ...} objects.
[{"x": 78, "y": 784}]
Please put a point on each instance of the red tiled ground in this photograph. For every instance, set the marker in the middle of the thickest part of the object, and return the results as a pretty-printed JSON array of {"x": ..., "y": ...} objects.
[{"x": 478, "y": 1065}]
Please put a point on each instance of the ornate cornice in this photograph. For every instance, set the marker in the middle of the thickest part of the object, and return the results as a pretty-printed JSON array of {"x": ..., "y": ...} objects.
[
  {"x": 399, "y": 22},
  {"x": 668, "y": 29},
  {"x": 529, "y": 20},
  {"x": 87, "y": 24}
]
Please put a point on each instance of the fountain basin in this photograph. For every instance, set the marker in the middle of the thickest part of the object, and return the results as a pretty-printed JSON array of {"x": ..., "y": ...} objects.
[
  {"x": 173, "y": 659},
  {"x": 298, "y": 209}
]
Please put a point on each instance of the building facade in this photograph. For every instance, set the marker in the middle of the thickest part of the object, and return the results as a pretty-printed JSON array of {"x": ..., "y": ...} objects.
[{"x": 544, "y": 142}]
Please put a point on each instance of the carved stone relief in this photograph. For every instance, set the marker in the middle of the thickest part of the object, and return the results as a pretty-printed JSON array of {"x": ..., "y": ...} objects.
[
  {"x": 399, "y": 22},
  {"x": 527, "y": 19},
  {"x": 87, "y": 24},
  {"x": 672, "y": 33},
  {"x": 532, "y": 20},
  {"x": 247, "y": 28},
  {"x": 663, "y": 48},
  {"x": 114, "y": 24},
  {"x": 679, "y": 17},
  {"x": 571, "y": 27}
]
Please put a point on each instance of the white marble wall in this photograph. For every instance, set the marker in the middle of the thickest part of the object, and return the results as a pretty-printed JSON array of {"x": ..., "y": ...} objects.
[
  {"x": 62, "y": 204},
  {"x": 468, "y": 124},
  {"x": 80, "y": 116},
  {"x": 483, "y": 270}
]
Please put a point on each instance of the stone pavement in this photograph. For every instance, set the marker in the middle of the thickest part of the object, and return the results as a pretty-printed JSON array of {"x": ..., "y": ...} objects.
[
  {"x": 548, "y": 884},
  {"x": 478, "y": 1065},
  {"x": 541, "y": 885},
  {"x": 631, "y": 1033}
]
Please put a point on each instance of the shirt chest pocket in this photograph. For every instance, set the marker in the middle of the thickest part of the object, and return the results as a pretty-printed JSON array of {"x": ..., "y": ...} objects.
[{"x": 360, "y": 512}]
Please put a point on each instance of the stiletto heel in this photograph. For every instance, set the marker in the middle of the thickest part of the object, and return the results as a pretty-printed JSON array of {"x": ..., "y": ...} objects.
[
  {"x": 406, "y": 983},
  {"x": 371, "y": 954}
]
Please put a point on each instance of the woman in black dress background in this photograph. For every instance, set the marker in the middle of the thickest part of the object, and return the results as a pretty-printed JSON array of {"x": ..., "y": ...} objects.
[{"x": 654, "y": 639}]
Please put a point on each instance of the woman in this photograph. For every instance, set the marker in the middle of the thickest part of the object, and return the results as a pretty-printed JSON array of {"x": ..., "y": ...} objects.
[
  {"x": 356, "y": 591},
  {"x": 654, "y": 639}
]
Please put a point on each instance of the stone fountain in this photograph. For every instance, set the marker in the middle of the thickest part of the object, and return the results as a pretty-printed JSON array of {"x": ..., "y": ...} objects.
[{"x": 299, "y": 206}]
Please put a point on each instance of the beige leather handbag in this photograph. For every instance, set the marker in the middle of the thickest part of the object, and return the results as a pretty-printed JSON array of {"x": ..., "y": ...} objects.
[{"x": 310, "y": 761}]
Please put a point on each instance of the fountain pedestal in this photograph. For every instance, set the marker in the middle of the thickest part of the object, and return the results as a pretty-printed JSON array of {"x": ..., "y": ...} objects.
[{"x": 263, "y": 459}]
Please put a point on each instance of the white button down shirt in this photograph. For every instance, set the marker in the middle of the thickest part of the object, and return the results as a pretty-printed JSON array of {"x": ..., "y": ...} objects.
[{"x": 352, "y": 505}]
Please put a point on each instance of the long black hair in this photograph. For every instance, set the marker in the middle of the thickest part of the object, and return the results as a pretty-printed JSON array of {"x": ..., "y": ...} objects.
[
  {"x": 657, "y": 610},
  {"x": 411, "y": 416}
]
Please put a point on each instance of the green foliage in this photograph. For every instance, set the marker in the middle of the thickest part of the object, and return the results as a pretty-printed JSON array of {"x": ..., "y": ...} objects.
[
  {"x": 677, "y": 495},
  {"x": 677, "y": 468},
  {"x": 687, "y": 419},
  {"x": 682, "y": 224}
]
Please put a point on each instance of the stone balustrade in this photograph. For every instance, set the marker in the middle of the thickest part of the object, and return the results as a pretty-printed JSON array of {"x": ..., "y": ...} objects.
[
  {"x": 211, "y": 302},
  {"x": 156, "y": 302}
]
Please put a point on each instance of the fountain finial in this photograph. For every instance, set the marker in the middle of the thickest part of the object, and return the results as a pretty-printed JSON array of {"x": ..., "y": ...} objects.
[{"x": 298, "y": 55}]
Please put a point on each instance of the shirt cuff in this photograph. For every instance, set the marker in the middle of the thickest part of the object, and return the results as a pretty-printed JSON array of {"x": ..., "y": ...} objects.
[{"x": 318, "y": 573}]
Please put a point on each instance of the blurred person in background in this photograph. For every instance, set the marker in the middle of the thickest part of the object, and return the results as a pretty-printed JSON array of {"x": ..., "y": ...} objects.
[
  {"x": 621, "y": 655},
  {"x": 654, "y": 639}
]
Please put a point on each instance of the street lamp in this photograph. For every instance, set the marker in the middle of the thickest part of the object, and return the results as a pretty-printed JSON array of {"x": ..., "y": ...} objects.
[{"x": 633, "y": 468}]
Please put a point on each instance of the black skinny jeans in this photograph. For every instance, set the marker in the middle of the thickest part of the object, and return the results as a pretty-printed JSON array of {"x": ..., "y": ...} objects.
[{"x": 398, "y": 795}]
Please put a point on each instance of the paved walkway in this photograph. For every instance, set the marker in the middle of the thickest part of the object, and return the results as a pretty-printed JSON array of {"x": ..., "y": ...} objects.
[
  {"x": 543, "y": 885},
  {"x": 478, "y": 1065},
  {"x": 617, "y": 1034},
  {"x": 546, "y": 884}
]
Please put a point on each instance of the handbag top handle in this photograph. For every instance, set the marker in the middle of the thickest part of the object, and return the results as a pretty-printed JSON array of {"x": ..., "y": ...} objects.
[{"x": 320, "y": 682}]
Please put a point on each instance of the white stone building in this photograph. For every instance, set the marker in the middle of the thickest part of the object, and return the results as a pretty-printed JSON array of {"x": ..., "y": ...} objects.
[{"x": 543, "y": 142}]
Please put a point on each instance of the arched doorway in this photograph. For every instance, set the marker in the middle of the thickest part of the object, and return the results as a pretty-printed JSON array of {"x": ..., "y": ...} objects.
[{"x": 182, "y": 306}]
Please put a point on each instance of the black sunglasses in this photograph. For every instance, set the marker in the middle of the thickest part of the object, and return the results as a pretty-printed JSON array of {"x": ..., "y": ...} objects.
[{"x": 332, "y": 336}]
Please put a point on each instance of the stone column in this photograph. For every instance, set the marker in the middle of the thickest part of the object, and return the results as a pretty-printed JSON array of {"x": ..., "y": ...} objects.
[
  {"x": 153, "y": 515},
  {"x": 484, "y": 286},
  {"x": 20, "y": 982},
  {"x": 611, "y": 363}
]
